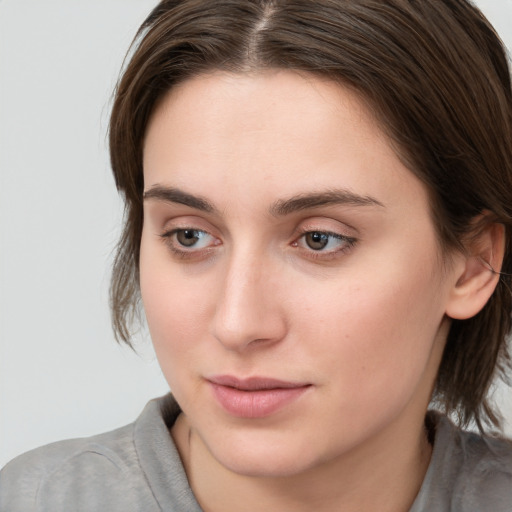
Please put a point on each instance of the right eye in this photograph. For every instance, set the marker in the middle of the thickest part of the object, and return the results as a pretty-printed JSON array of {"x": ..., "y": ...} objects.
[
  {"x": 191, "y": 238},
  {"x": 184, "y": 241}
]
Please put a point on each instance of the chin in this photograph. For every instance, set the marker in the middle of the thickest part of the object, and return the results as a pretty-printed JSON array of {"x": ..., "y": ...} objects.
[
  {"x": 275, "y": 465},
  {"x": 265, "y": 456}
]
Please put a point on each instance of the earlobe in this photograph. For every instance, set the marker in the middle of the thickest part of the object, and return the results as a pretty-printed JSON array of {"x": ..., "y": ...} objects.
[{"x": 477, "y": 273}]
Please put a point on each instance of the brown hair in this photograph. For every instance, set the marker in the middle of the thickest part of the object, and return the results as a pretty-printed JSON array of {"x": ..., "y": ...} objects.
[{"x": 433, "y": 71}]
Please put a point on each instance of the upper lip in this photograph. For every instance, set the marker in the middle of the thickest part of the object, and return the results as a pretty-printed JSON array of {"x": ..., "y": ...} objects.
[{"x": 254, "y": 383}]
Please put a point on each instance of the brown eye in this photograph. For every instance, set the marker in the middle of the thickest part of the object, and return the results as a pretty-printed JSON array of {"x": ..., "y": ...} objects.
[
  {"x": 325, "y": 242},
  {"x": 316, "y": 240},
  {"x": 189, "y": 237},
  {"x": 190, "y": 243}
]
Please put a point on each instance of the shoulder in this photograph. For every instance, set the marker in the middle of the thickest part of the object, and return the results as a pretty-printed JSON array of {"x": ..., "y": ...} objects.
[
  {"x": 467, "y": 472},
  {"x": 54, "y": 473},
  {"x": 111, "y": 471},
  {"x": 485, "y": 473}
]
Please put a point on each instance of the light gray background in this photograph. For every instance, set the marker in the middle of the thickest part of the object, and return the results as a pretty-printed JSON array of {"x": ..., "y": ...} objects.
[{"x": 61, "y": 374}]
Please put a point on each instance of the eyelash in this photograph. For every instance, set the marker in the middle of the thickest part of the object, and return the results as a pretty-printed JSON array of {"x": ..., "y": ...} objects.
[
  {"x": 347, "y": 243},
  {"x": 180, "y": 251}
]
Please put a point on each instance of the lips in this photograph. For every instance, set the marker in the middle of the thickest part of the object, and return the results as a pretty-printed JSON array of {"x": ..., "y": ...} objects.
[{"x": 255, "y": 397}]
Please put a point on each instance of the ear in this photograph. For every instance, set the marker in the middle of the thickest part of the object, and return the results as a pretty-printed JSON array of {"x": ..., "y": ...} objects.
[{"x": 477, "y": 272}]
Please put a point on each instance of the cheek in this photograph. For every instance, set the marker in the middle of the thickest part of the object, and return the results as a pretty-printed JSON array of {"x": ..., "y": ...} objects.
[
  {"x": 173, "y": 312},
  {"x": 375, "y": 334},
  {"x": 176, "y": 309},
  {"x": 175, "y": 328}
]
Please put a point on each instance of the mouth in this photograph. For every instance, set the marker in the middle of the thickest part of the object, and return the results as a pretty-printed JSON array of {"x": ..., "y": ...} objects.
[{"x": 255, "y": 397}]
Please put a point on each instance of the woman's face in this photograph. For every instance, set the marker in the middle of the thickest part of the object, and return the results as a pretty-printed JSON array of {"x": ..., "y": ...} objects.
[{"x": 290, "y": 272}]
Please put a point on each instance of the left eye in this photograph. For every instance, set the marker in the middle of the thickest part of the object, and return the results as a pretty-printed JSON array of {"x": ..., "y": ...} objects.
[{"x": 324, "y": 241}]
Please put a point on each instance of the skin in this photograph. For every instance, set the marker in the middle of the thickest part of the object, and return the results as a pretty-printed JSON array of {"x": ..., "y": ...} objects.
[{"x": 362, "y": 321}]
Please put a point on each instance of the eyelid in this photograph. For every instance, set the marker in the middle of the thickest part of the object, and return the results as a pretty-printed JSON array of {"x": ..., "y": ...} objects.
[{"x": 326, "y": 225}]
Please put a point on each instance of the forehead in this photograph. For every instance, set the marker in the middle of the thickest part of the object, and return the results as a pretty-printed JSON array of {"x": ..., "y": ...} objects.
[
  {"x": 277, "y": 129},
  {"x": 267, "y": 99}
]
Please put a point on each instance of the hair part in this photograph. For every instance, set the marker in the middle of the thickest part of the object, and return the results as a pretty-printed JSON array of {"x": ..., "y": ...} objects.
[{"x": 434, "y": 74}]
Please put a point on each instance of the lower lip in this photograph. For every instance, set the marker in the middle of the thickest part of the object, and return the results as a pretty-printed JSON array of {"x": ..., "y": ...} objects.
[{"x": 255, "y": 404}]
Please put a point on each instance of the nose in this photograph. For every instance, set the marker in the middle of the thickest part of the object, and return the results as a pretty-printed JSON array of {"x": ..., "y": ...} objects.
[{"x": 248, "y": 313}]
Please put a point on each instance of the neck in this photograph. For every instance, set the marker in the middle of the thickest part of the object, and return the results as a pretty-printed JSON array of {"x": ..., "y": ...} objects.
[{"x": 384, "y": 475}]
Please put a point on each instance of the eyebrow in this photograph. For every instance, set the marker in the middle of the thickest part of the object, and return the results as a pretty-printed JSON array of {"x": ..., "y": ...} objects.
[
  {"x": 319, "y": 199},
  {"x": 280, "y": 208},
  {"x": 175, "y": 195}
]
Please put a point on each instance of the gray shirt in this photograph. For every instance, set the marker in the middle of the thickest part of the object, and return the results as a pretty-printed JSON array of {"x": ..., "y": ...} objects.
[{"x": 137, "y": 468}]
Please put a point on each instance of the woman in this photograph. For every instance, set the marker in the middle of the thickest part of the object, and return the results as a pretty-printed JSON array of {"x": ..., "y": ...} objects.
[{"x": 319, "y": 221}]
